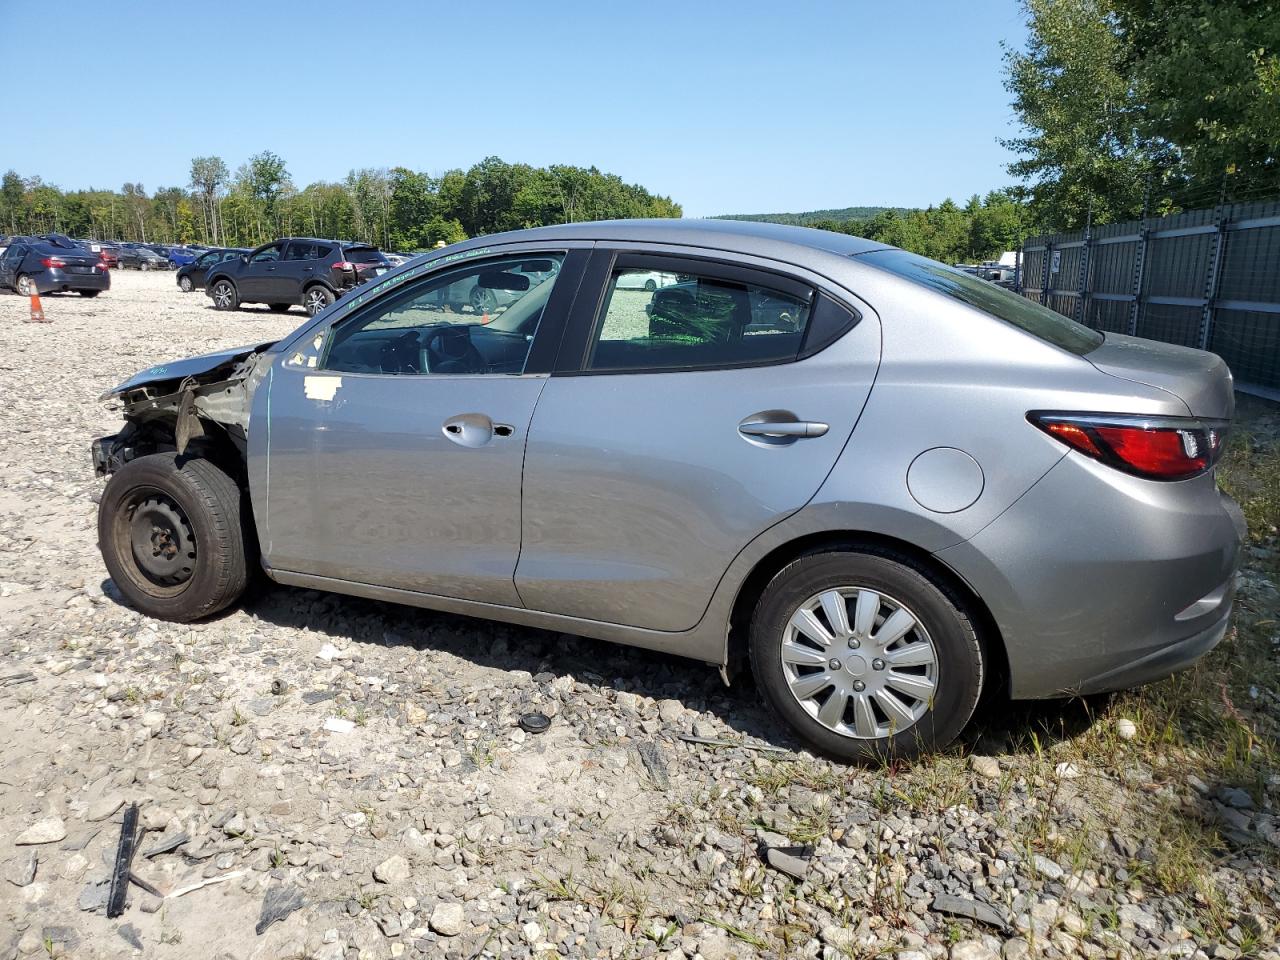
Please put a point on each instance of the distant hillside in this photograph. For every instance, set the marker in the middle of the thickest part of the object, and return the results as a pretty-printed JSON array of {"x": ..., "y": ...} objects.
[{"x": 842, "y": 215}]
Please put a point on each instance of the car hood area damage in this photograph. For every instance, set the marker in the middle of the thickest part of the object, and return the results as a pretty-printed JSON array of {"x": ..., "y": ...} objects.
[{"x": 171, "y": 405}]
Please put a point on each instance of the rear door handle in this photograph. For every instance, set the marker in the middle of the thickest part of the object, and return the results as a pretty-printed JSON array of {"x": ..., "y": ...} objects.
[{"x": 791, "y": 429}]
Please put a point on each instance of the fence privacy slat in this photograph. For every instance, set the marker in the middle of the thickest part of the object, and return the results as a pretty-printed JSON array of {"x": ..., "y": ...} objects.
[{"x": 1202, "y": 278}]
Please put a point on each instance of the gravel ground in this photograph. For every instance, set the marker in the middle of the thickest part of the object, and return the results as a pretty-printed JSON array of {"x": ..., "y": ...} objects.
[{"x": 356, "y": 771}]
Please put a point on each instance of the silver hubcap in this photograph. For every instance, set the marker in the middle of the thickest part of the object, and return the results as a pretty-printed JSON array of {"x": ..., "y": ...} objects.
[
  {"x": 859, "y": 662},
  {"x": 222, "y": 295},
  {"x": 24, "y": 286},
  {"x": 315, "y": 302}
]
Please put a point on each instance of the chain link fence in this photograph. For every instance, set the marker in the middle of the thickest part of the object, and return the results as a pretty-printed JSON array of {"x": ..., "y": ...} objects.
[{"x": 1204, "y": 278}]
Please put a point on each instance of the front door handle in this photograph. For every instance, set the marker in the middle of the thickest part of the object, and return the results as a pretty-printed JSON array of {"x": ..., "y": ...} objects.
[
  {"x": 783, "y": 429},
  {"x": 474, "y": 429}
]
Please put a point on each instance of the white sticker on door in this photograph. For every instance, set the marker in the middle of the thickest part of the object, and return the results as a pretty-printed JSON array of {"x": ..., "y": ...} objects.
[{"x": 321, "y": 387}]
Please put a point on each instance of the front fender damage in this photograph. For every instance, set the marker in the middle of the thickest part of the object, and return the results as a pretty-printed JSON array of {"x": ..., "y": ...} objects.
[{"x": 205, "y": 401}]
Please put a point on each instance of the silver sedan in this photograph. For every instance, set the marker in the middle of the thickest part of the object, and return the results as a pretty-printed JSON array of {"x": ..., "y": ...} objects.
[{"x": 880, "y": 484}]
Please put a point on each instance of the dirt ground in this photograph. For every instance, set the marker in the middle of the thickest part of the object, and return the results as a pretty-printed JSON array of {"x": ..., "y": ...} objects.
[{"x": 358, "y": 768}]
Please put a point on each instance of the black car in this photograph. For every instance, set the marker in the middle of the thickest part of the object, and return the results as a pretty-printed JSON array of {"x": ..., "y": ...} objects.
[
  {"x": 294, "y": 270},
  {"x": 192, "y": 275},
  {"x": 142, "y": 258},
  {"x": 41, "y": 265}
]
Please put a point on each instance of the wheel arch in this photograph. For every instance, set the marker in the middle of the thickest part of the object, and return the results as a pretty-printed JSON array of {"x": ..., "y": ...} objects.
[{"x": 749, "y": 590}]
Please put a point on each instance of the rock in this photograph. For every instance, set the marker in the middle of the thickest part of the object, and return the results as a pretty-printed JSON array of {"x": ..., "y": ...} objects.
[
  {"x": 986, "y": 767},
  {"x": 394, "y": 869},
  {"x": 972, "y": 950},
  {"x": 1126, "y": 729},
  {"x": 972, "y": 909},
  {"x": 22, "y": 871},
  {"x": 671, "y": 711},
  {"x": 415, "y": 714},
  {"x": 1066, "y": 771},
  {"x": 1046, "y": 867},
  {"x": 448, "y": 919},
  {"x": 1235, "y": 797},
  {"x": 48, "y": 830},
  {"x": 339, "y": 725},
  {"x": 104, "y": 806},
  {"x": 783, "y": 859}
]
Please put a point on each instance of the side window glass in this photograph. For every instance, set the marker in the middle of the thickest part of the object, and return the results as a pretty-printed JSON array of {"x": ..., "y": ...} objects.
[
  {"x": 659, "y": 320},
  {"x": 478, "y": 319},
  {"x": 270, "y": 253},
  {"x": 230, "y": 255},
  {"x": 207, "y": 260},
  {"x": 300, "y": 251}
]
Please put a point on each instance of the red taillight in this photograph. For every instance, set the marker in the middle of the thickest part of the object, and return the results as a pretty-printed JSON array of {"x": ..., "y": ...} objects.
[
  {"x": 1158, "y": 448},
  {"x": 343, "y": 265},
  {"x": 52, "y": 263}
]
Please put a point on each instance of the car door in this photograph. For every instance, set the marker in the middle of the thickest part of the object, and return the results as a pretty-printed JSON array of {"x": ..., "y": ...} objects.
[
  {"x": 682, "y": 423},
  {"x": 393, "y": 449},
  {"x": 9, "y": 264},
  {"x": 296, "y": 268},
  {"x": 257, "y": 279}
]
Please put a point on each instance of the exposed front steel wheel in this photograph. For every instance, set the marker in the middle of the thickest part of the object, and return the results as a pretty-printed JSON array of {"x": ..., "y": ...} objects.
[{"x": 173, "y": 536}]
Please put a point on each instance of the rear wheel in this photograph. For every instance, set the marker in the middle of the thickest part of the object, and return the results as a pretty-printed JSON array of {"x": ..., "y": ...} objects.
[
  {"x": 865, "y": 655},
  {"x": 224, "y": 295},
  {"x": 89, "y": 293},
  {"x": 172, "y": 535},
  {"x": 316, "y": 299},
  {"x": 279, "y": 307},
  {"x": 482, "y": 300},
  {"x": 185, "y": 284},
  {"x": 25, "y": 285}
]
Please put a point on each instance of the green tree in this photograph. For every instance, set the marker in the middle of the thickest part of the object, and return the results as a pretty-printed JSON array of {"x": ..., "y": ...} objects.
[
  {"x": 208, "y": 176},
  {"x": 1082, "y": 150}
]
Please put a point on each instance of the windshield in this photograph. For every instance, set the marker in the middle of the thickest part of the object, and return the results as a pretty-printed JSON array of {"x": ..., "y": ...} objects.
[{"x": 1026, "y": 315}]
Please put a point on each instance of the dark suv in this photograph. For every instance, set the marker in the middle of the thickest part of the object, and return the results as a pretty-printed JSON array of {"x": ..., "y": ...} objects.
[{"x": 295, "y": 270}]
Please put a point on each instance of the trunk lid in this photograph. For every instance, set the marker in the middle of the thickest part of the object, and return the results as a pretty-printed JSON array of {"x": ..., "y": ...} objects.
[{"x": 1200, "y": 379}]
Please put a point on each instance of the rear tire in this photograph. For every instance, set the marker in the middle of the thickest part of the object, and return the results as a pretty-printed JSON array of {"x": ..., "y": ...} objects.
[
  {"x": 872, "y": 708},
  {"x": 173, "y": 536},
  {"x": 185, "y": 284},
  {"x": 279, "y": 307},
  {"x": 316, "y": 298},
  {"x": 89, "y": 293},
  {"x": 25, "y": 285},
  {"x": 225, "y": 295}
]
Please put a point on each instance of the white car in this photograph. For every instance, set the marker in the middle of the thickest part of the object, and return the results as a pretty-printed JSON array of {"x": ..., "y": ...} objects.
[{"x": 640, "y": 280}]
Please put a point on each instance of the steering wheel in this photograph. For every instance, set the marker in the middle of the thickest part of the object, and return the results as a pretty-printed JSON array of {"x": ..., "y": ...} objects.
[
  {"x": 450, "y": 350},
  {"x": 400, "y": 355}
]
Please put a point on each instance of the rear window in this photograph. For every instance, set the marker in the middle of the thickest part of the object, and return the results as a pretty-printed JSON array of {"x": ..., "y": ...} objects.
[
  {"x": 1037, "y": 320},
  {"x": 364, "y": 255}
]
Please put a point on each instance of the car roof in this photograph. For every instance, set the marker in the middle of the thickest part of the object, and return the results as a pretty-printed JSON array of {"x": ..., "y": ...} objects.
[{"x": 746, "y": 236}]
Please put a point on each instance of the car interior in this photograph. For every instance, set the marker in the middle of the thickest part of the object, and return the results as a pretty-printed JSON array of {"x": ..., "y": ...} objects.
[{"x": 417, "y": 333}]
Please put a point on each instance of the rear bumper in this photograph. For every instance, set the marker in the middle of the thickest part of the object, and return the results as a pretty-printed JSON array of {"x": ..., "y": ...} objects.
[
  {"x": 57, "y": 281},
  {"x": 1100, "y": 581}
]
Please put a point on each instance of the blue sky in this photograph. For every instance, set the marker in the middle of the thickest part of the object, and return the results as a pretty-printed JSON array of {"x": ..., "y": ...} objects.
[{"x": 728, "y": 107}]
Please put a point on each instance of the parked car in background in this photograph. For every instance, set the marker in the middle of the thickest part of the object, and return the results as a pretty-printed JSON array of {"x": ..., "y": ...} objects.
[
  {"x": 192, "y": 275},
  {"x": 294, "y": 271},
  {"x": 40, "y": 265},
  {"x": 650, "y": 281},
  {"x": 398, "y": 259},
  {"x": 920, "y": 487},
  {"x": 108, "y": 253},
  {"x": 142, "y": 258},
  {"x": 181, "y": 256}
]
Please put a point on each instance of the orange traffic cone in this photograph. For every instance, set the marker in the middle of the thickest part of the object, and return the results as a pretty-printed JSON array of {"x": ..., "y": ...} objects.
[
  {"x": 485, "y": 319},
  {"x": 37, "y": 309}
]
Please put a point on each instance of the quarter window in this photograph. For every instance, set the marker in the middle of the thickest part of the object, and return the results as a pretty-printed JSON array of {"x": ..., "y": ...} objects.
[
  {"x": 658, "y": 319},
  {"x": 478, "y": 319}
]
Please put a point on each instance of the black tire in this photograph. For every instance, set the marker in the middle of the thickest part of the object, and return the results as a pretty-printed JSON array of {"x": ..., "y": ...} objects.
[
  {"x": 315, "y": 298},
  {"x": 482, "y": 300},
  {"x": 144, "y": 266},
  {"x": 224, "y": 295},
  {"x": 185, "y": 284},
  {"x": 199, "y": 516},
  {"x": 650, "y": 286},
  {"x": 959, "y": 659},
  {"x": 89, "y": 293},
  {"x": 279, "y": 307},
  {"x": 24, "y": 285}
]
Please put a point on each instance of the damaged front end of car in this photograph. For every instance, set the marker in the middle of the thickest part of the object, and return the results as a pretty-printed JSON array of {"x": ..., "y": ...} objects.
[{"x": 199, "y": 403}]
